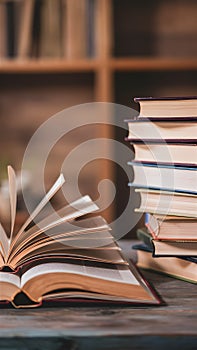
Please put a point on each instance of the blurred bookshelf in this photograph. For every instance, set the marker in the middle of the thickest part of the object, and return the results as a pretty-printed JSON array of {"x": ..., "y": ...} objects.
[{"x": 57, "y": 54}]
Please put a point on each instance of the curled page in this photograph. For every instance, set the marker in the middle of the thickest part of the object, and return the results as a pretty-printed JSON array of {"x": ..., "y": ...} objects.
[
  {"x": 13, "y": 197},
  {"x": 57, "y": 185}
]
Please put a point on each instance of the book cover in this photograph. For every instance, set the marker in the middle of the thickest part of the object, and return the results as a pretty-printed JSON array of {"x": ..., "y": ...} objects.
[{"x": 184, "y": 268}]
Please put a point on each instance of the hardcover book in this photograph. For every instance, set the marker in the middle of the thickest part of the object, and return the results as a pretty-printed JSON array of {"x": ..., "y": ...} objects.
[
  {"x": 168, "y": 247},
  {"x": 66, "y": 255},
  {"x": 172, "y": 177},
  {"x": 184, "y": 268},
  {"x": 171, "y": 227},
  {"x": 167, "y": 202},
  {"x": 182, "y": 129},
  {"x": 167, "y": 107},
  {"x": 166, "y": 152}
]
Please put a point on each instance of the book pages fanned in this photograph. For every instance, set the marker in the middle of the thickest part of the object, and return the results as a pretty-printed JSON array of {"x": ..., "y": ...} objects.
[{"x": 69, "y": 253}]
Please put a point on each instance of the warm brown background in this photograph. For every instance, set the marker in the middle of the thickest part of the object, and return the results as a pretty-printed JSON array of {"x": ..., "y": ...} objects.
[{"x": 143, "y": 48}]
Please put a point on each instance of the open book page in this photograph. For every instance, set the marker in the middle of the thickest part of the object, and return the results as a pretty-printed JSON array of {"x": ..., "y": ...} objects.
[
  {"x": 107, "y": 253},
  {"x": 65, "y": 230},
  {"x": 1, "y": 258},
  {"x": 4, "y": 242},
  {"x": 58, "y": 221},
  {"x": 13, "y": 197},
  {"x": 114, "y": 281},
  {"x": 9, "y": 285},
  {"x": 9, "y": 277},
  {"x": 57, "y": 185},
  {"x": 123, "y": 275},
  {"x": 75, "y": 294},
  {"x": 78, "y": 208}
]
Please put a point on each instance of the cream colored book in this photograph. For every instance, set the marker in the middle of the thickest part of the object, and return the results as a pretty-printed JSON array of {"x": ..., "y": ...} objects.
[
  {"x": 166, "y": 153},
  {"x": 167, "y": 202},
  {"x": 167, "y": 107},
  {"x": 66, "y": 254}
]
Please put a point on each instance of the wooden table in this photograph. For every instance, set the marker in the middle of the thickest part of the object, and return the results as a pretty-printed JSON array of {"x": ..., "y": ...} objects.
[{"x": 170, "y": 326}]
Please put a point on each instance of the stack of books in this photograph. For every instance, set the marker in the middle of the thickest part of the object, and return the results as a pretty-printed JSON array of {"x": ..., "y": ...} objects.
[{"x": 164, "y": 138}]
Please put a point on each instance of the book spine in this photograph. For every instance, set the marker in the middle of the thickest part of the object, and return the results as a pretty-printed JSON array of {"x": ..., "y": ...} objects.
[
  {"x": 75, "y": 29},
  {"x": 90, "y": 24},
  {"x": 145, "y": 238},
  {"x": 154, "y": 232},
  {"x": 36, "y": 28},
  {"x": 3, "y": 34},
  {"x": 10, "y": 5},
  {"x": 25, "y": 34}
]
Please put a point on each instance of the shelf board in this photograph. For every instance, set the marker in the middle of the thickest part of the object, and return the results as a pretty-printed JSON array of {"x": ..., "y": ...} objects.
[
  {"x": 92, "y": 65},
  {"x": 152, "y": 64},
  {"x": 47, "y": 66}
]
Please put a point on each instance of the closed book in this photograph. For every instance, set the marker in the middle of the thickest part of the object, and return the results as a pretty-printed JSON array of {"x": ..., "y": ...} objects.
[
  {"x": 159, "y": 129},
  {"x": 165, "y": 176},
  {"x": 167, "y": 202},
  {"x": 50, "y": 31},
  {"x": 181, "y": 268},
  {"x": 166, "y": 153},
  {"x": 65, "y": 255},
  {"x": 3, "y": 31},
  {"x": 75, "y": 29},
  {"x": 168, "y": 247},
  {"x": 167, "y": 107},
  {"x": 10, "y": 28},
  {"x": 26, "y": 29},
  {"x": 171, "y": 227}
]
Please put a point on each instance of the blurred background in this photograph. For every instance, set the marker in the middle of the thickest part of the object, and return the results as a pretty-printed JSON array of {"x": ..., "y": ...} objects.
[{"x": 56, "y": 54}]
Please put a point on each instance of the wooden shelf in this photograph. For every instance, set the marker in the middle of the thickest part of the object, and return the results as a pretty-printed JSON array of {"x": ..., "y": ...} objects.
[
  {"x": 48, "y": 66},
  {"x": 130, "y": 60},
  {"x": 153, "y": 64},
  {"x": 88, "y": 65}
]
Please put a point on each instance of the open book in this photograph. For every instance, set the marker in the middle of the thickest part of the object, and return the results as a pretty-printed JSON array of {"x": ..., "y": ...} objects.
[{"x": 62, "y": 256}]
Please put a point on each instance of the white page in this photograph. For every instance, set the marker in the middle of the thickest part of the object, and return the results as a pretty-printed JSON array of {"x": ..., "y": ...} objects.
[
  {"x": 10, "y": 278},
  {"x": 13, "y": 197},
  {"x": 66, "y": 229},
  {"x": 74, "y": 210},
  {"x": 4, "y": 241},
  {"x": 125, "y": 276},
  {"x": 57, "y": 185}
]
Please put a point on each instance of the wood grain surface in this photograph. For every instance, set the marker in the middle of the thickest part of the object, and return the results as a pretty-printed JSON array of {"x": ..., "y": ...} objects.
[{"x": 171, "y": 325}]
